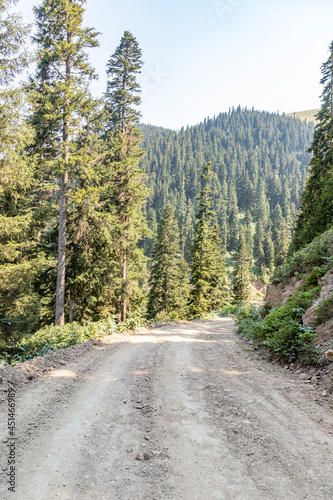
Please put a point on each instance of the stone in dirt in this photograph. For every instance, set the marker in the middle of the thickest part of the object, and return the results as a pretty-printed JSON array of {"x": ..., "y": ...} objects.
[
  {"x": 305, "y": 376},
  {"x": 142, "y": 456}
]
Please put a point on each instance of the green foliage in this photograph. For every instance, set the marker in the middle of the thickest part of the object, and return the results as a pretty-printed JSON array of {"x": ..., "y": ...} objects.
[
  {"x": 243, "y": 311},
  {"x": 208, "y": 268},
  {"x": 13, "y": 36},
  {"x": 227, "y": 310},
  {"x": 324, "y": 311},
  {"x": 282, "y": 331},
  {"x": 19, "y": 264},
  {"x": 316, "y": 213},
  {"x": 261, "y": 162},
  {"x": 318, "y": 254},
  {"x": 169, "y": 288},
  {"x": 54, "y": 337}
]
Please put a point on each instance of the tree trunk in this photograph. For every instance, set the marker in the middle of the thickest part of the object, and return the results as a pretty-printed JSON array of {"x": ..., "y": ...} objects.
[
  {"x": 165, "y": 293},
  {"x": 71, "y": 308},
  {"x": 123, "y": 276},
  {"x": 60, "y": 292}
]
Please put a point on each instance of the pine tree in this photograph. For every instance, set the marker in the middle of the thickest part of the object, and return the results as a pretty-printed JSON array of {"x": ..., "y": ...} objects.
[
  {"x": 281, "y": 236},
  {"x": 233, "y": 232},
  {"x": 316, "y": 213},
  {"x": 13, "y": 35},
  {"x": 249, "y": 236},
  {"x": 127, "y": 193},
  {"x": 169, "y": 271},
  {"x": 282, "y": 244},
  {"x": 89, "y": 249},
  {"x": 208, "y": 268},
  {"x": 269, "y": 251},
  {"x": 259, "y": 253},
  {"x": 19, "y": 261},
  {"x": 61, "y": 85},
  {"x": 242, "y": 272}
]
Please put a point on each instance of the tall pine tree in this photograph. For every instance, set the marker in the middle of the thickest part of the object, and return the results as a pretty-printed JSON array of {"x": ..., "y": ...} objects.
[
  {"x": 208, "y": 267},
  {"x": 169, "y": 271},
  {"x": 19, "y": 261},
  {"x": 316, "y": 213},
  {"x": 62, "y": 86},
  {"x": 242, "y": 272},
  {"x": 127, "y": 193}
]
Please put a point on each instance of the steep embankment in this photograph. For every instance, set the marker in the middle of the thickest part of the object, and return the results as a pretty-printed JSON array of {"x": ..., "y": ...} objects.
[
  {"x": 296, "y": 323},
  {"x": 310, "y": 269}
]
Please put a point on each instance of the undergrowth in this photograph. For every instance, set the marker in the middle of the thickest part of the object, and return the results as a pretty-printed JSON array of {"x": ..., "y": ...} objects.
[
  {"x": 318, "y": 254},
  {"x": 280, "y": 330},
  {"x": 54, "y": 337}
]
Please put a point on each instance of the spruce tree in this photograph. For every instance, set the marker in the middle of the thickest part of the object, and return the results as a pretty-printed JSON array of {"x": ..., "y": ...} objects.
[
  {"x": 169, "y": 271},
  {"x": 316, "y": 213},
  {"x": 208, "y": 268},
  {"x": 13, "y": 35},
  {"x": 281, "y": 236},
  {"x": 127, "y": 192},
  {"x": 19, "y": 261},
  {"x": 233, "y": 231},
  {"x": 61, "y": 84},
  {"x": 249, "y": 236},
  {"x": 259, "y": 253},
  {"x": 242, "y": 272},
  {"x": 269, "y": 251}
]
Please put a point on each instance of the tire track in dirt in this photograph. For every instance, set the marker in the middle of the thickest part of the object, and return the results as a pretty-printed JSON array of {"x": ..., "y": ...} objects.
[{"x": 180, "y": 412}]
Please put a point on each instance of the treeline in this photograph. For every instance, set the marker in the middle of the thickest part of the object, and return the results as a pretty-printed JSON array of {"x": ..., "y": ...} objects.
[
  {"x": 261, "y": 161},
  {"x": 282, "y": 329},
  {"x": 71, "y": 189},
  {"x": 77, "y": 188}
]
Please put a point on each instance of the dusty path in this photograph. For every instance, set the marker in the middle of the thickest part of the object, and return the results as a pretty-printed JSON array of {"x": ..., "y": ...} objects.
[{"x": 181, "y": 412}]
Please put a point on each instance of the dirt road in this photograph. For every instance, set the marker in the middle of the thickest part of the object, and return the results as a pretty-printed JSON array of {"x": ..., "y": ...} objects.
[{"x": 181, "y": 412}]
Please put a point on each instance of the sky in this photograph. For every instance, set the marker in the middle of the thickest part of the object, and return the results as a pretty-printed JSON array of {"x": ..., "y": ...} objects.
[{"x": 205, "y": 56}]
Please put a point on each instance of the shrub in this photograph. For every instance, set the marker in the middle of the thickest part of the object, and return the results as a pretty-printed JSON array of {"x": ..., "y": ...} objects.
[
  {"x": 318, "y": 254},
  {"x": 227, "y": 310},
  {"x": 324, "y": 311},
  {"x": 281, "y": 331},
  {"x": 54, "y": 337},
  {"x": 243, "y": 311}
]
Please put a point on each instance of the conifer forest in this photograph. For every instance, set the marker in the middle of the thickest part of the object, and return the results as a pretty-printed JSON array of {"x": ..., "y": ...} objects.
[
  {"x": 103, "y": 216},
  {"x": 166, "y": 250}
]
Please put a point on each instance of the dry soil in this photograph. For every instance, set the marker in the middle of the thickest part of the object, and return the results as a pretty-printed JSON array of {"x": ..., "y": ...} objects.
[{"x": 179, "y": 412}]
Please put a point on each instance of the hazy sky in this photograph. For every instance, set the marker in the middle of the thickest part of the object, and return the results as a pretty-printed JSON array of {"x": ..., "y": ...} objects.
[{"x": 204, "y": 56}]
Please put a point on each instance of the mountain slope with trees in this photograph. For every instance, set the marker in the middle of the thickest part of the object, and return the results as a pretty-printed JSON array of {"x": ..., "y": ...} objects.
[
  {"x": 261, "y": 164},
  {"x": 296, "y": 323}
]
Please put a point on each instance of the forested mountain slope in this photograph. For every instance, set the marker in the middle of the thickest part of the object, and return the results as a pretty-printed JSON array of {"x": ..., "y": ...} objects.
[{"x": 261, "y": 162}]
